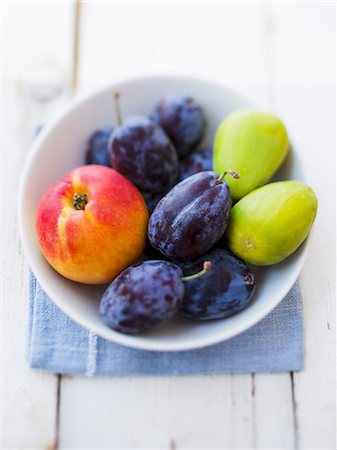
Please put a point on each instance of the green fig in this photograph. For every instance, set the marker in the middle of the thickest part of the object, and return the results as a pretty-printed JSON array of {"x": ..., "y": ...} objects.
[
  {"x": 252, "y": 143},
  {"x": 270, "y": 223}
]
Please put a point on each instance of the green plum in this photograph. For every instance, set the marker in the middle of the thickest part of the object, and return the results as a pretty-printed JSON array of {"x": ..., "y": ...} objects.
[
  {"x": 252, "y": 143},
  {"x": 270, "y": 223}
]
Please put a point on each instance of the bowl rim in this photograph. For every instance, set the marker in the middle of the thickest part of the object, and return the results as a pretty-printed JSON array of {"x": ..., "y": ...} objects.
[{"x": 119, "y": 338}]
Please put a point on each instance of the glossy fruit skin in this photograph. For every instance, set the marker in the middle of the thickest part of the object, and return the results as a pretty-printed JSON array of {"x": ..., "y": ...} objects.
[
  {"x": 196, "y": 162},
  {"x": 97, "y": 151},
  {"x": 270, "y": 223},
  {"x": 183, "y": 120},
  {"x": 252, "y": 143},
  {"x": 142, "y": 296},
  {"x": 142, "y": 152},
  {"x": 190, "y": 218},
  {"x": 224, "y": 290},
  {"x": 92, "y": 245}
]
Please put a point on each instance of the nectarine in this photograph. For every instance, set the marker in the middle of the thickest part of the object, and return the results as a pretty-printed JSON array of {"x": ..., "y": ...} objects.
[{"x": 91, "y": 224}]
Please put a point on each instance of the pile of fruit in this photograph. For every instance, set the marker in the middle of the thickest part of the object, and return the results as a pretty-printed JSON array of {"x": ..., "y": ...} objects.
[{"x": 170, "y": 226}]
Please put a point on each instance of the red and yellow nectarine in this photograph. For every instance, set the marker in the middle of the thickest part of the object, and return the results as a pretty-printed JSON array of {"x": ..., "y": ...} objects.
[{"x": 91, "y": 224}]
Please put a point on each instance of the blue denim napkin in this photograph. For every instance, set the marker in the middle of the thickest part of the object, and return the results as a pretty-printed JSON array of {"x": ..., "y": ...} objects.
[{"x": 57, "y": 344}]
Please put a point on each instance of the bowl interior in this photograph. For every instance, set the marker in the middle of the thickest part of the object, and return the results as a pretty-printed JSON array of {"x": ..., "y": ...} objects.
[{"x": 61, "y": 147}]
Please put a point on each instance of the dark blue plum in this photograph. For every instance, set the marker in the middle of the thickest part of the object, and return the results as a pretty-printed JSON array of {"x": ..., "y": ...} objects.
[
  {"x": 183, "y": 120},
  {"x": 223, "y": 291},
  {"x": 196, "y": 162},
  {"x": 141, "y": 151},
  {"x": 98, "y": 151},
  {"x": 142, "y": 296},
  {"x": 190, "y": 218}
]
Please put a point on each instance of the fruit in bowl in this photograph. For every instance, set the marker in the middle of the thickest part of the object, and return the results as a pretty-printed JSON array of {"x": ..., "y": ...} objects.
[
  {"x": 97, "y": 150},
  {"x": 56, "y": 151},
  {"x": 91, "y": 224},
  {"x": 253, "y": 143},
  {"x": 196, "y": 162},
  {"x": 142, "y": 296},
  {"x": 183, "y": 119},
  {"x": 271, "y": 222},
  {"x": 142, "y": 152},
  {"x": 189, "y": 220},
  {"x": 224, "y": 290},
  {"x": 145, "y": 295}
]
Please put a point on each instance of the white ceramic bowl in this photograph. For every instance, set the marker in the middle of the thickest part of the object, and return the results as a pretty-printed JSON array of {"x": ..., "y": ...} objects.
[{"x": 61, "y": 147}]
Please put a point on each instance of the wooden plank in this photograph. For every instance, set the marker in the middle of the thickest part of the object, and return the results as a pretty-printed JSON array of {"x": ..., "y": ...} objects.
[
  {"x": 218, "y": 41},
  {"x": 303, "y": 62},
  {"x": 146, "y": 412},
  {"x": 242, "y": 425},
  {"x": 36, "y": 35},
  {"x": 29, "y": 398},
  {"x": 273, "y": 409}
]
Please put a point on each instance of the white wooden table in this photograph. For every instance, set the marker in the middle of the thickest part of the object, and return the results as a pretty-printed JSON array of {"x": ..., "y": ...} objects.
[{"x": 283, "y": 57}]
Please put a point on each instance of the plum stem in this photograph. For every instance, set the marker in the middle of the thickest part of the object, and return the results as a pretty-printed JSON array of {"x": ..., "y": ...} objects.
[
  {"x": 118, "y": 108},
  {"x": 207, "y": 266},
  {"x": 227, "y": 172},
  {"x": 79, "y": 201}
]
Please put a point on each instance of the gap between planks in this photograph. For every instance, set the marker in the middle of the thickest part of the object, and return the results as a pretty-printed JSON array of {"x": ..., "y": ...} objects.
[{"x": 56, "y": 444}]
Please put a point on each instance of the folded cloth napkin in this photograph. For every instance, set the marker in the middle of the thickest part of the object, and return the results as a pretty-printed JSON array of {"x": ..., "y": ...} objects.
[{"x": 57, "y": 344}]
